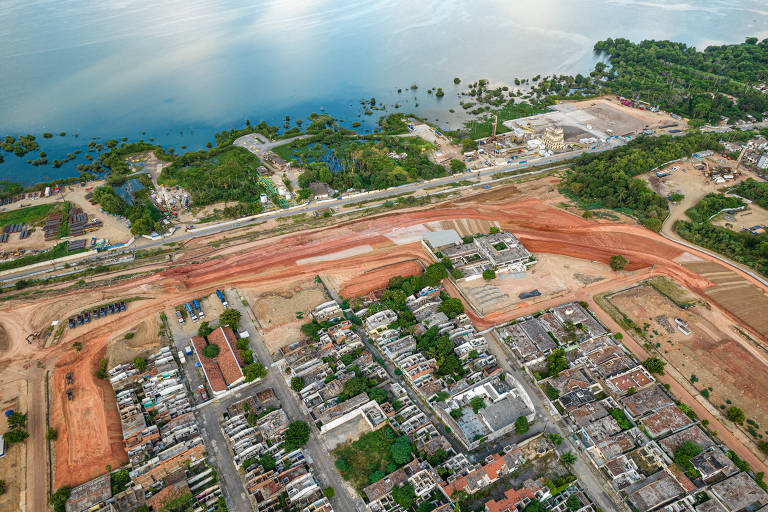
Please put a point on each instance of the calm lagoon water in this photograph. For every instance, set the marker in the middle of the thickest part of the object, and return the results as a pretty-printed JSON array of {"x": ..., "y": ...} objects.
[{"x": 182, "y": 70}]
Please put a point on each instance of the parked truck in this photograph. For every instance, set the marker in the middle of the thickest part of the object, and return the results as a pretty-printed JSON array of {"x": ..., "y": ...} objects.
[
  {"x": 191, "y": 311},
  {"x": 180, "y": 317},
  {"x": 182, "y": 359},
  {"x": 198, "y": 308},
  {"x": 188, "y": 349},
  {"x": 221, "y": 298}
]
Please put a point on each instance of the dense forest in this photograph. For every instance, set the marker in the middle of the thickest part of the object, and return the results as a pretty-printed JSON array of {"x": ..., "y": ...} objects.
[
  {"x": 344, "y": 162},
  {"x": 228, "y": 173},
  {"x": 607, "y": 179},
  {"x": 702, "y": 85}
]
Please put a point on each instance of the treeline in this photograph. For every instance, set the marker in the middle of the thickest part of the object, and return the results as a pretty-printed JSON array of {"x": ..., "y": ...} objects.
[
  {"x": 743, "y": 247},
  {"x": 345, "y": 163},
  {"x": 704, "y": 86},
  {"x": 756, "y": 191},
  {"x": 710, "y": 205},
  {"x": 607, "y": 179}
]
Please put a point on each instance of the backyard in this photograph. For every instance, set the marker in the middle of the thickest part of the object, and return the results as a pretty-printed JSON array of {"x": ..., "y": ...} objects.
[{"x": 373, "y": 456}]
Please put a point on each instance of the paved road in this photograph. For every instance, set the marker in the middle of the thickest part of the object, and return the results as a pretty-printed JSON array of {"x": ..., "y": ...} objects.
[
  {"x": 592, "y": 480},
  {"x": 322, "y": 465}
]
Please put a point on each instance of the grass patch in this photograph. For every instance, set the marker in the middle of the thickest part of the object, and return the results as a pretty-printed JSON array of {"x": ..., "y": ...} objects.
[
  {"x": 30, "y": 215},
  {"x": 359, "y": 460},
  {"x": 672, "y": 291},
  {"x": 57, "y": 251}
]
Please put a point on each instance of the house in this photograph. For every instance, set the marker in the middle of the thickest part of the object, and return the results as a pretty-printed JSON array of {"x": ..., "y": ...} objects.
[
  {"x": 667, "y": 420},
  {"x": 655, "y": 491},
  {"x": 90, "y": 494},
  {"x": 739, "y": 493},
  {"x": 320, "y": 190},
  {"x": 714, "y": 465},
  {"x": 518, "y": 499},
  {"x": 676, "y": 440},
  {"x": 646, "y": 400},
  {"x": 378, "y": 322},
  {"x": 636, "y": 378}
]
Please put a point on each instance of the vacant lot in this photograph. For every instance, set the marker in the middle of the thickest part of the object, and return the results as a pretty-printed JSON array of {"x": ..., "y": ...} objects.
[
  {"x": 716, "y": 360},
  {"x": 553, "y": 276},
  {"x": 368, "y": 459},
  {"x": 140, "y": 340},
  {"x": 277, "y": 311},
  {"x": 734, "y": 293}
]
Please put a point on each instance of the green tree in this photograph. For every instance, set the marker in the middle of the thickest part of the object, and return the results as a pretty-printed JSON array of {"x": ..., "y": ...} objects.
[
  {"x": 297, "y": 384},
  {"x": 59, "y": 499},
  {"x": 555, "y": 438},
  {"x": 329, "y": 492},
  {"x": 51, "y": 434},
  {"x": 452, "y": 307},
  {"x": 404, "y": 495},
  {"x": 735, "y": 414},
  {"x": 683, "y": 455},
  {"x": 456, "y": 413},
  {"x": 489, "y": 274},
  {"x": 457, "y": 166},
  {"x": 15, "y": 436},
  {"x": 17, "y": 420},
  {"x": 477, "y": 403},
  {"x": 139, "y": 363},
  {"x": 521, "y": 425},
  {"x": 267, "y": 462},
  {"x": 654, "y": 365},
  {"x": 457, "y": 274},
  {"x": 230, "y": 317},
  {"x": 573, "y": 502},
  {"x": 205, "y": 329},
  {"x": 618, "y": 262},
  {"x": 296, "y": 435},
  {"x": 556, "y": 362},
  {"x": 254, "y": 371},
  {"x": 568, "y": 459}
]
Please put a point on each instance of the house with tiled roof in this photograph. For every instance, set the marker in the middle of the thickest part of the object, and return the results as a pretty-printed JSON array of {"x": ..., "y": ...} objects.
[{"x": 518, "y": 499}]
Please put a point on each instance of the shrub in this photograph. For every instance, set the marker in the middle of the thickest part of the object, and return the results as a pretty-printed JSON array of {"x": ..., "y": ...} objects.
[
  {"x": 477, "y": 403},
  {"x": 129, "y": 335},
  {"x": 211, "y": 351},
  {"x": 101, "y": 371},
  {"x": 329, "y": 492},
  {"x": 139, "y": 363},
  {"x": 654, "y": 365},
  {"x": 735, "y": 414},
  {"x": 59, "y": 499},
  {"x": 242, "y": 344},
  {"x": 521, "y": 425},
  {"x": 51, "y": 435},
  {"x": 297, "y": 384},
  {"x": 489, "y": 274},
  {"x": 618, "y": 262}
]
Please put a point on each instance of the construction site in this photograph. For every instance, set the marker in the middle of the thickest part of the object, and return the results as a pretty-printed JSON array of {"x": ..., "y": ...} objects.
[{"x": 356, "y": 257}]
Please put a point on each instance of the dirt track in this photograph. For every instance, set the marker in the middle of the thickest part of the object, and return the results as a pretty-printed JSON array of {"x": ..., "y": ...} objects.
[{"x": 89, "y": 432}]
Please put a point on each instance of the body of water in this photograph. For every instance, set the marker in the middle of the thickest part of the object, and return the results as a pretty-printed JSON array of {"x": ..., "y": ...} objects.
[{"x": 182, "y": 70}]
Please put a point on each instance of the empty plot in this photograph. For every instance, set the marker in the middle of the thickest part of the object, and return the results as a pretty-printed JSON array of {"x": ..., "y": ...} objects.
[{"x": 734, "y": 293}]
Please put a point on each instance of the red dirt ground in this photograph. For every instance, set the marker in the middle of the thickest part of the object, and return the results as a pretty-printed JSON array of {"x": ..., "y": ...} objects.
[{"x": 89, "y": 433}]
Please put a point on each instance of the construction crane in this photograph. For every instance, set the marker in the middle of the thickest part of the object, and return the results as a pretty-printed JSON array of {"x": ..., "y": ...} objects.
[{"x": 741, "y": 156}]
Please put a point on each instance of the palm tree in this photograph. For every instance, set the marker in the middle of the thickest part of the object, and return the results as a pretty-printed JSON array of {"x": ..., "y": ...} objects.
[{"x": 568, "y": 459}]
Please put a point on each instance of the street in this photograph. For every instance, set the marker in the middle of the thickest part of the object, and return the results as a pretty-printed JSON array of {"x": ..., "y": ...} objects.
[{"x": 591, "y": 479}]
